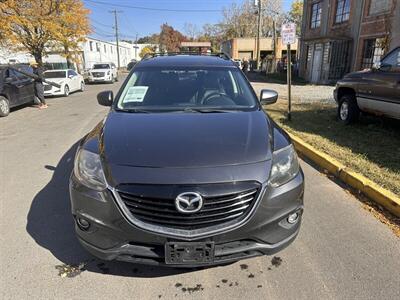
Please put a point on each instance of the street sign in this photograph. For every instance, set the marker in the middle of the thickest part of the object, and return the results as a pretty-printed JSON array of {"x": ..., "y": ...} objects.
[{"x": 288, "y": 33}]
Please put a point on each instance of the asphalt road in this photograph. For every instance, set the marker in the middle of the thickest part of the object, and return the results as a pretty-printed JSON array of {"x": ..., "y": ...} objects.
[{"x": 342, "y": 251}]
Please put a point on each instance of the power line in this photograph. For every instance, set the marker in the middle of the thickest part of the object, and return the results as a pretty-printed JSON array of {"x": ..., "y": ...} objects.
[{"x": 154, "y": 9}]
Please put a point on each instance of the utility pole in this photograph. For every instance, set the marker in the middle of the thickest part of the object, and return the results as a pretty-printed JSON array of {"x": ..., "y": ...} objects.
[
  {"x": 258, "y": 2},
  {"x": 274, "y": 45},
  {"x": 115, "y": 12}
]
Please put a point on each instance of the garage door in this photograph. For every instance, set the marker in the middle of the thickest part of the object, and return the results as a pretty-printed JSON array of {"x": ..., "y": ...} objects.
[{"x": 246, "y": 54}]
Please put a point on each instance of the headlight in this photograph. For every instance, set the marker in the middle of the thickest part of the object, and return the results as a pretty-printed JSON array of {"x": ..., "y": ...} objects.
[
  {"x": 285, "y": 166},
  {"x": 88, "y": 170},
  {"x": 108, "y": 73}
]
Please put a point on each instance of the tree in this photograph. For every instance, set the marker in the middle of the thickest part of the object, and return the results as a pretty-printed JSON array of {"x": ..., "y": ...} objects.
[
  {"x": 295, "y": 14},
  {"x": 192, "y": 31},
  {"x": 73, "y": 27},
  {"x": 146, "y": 50},
  {"x": 39, "y": 26},
  {"x": 170, "y": 39},
  {"x": 149, "y": 39},
  {"x": 240, "y": 20}
]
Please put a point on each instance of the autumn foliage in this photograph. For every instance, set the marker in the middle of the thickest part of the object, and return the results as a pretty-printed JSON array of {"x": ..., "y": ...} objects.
[{"x": 41, "y": 26}]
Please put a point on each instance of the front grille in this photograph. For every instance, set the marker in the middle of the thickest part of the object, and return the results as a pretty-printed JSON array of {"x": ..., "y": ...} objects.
[
  {"x": 98, "y": 74},
  {"x": 47, "y": 87},
  {"x": 216, "y": 210}
]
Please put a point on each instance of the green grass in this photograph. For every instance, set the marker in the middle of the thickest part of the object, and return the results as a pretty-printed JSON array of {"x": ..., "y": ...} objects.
[{"x": 370, "y": 147}]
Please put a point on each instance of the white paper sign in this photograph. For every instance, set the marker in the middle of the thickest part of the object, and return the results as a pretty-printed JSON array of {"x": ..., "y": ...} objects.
[
  {"x": 135, "y": 94},
  {"x": 288, "y": 33}
]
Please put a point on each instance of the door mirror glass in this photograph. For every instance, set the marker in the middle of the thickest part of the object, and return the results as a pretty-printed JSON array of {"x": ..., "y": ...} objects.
[
  {"x": 105, "y": 98},
  {"x": 268, "y": 97}
]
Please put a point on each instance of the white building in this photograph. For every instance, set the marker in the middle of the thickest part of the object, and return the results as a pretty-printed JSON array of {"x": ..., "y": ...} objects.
[{"x": 93, "y": 51}]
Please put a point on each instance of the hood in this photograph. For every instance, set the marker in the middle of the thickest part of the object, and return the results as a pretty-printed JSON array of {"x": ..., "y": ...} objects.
[
  {"x": 185, "y": 140},
  {"x": 55, "y": 80},
  {"x": 357, "y": 74}
]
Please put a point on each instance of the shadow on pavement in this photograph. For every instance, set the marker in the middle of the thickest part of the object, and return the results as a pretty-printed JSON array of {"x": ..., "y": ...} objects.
[{"x": 51, "y": 225}]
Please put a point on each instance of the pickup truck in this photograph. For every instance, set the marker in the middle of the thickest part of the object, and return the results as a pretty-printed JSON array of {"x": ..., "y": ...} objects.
[{"x": 373, "y": 91}]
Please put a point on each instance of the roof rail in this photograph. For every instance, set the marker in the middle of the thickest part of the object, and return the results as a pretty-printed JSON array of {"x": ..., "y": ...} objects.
[{"x": 222, "y": 55}]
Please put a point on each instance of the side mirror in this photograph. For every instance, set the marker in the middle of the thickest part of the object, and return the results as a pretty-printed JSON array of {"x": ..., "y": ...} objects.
[
  {"x": 8, "y": 79},
  {"x": 268, "y": 97},
  {"x": 105, "y": 98},
  {"x": 71, "y": 76}
]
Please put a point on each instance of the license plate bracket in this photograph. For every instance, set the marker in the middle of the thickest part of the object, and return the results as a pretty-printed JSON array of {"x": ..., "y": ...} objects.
[{"x": 179, "y": 253}]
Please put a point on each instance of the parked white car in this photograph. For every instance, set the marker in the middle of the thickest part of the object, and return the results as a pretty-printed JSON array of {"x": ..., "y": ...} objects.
[
  {"x": 103, "y": 72},
  {"x": 69, "y": 80}
]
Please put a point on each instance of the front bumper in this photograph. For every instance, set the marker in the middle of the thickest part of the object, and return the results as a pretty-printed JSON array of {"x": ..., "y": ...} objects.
[
  {"x": 99, "y": 79},
  {"x": 54, "y": 92},
  {"x": 112, "y": 237}
]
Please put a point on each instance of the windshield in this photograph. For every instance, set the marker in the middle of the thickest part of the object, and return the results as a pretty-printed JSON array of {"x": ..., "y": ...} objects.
[
  {"x": 186, "y": 89},
  {"x": 54, "y": 74},
  {"x": 101, "y": 66}
]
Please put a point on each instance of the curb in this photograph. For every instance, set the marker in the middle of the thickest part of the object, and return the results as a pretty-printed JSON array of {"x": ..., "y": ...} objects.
[{"x": 357, "y": 181}]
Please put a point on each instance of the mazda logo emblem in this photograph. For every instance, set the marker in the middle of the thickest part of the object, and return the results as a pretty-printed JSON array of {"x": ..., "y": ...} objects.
[{"x": 188, "y": 203}]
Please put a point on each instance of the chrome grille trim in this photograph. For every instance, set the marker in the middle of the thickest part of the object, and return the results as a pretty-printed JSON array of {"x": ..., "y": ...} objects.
[{"x": 190, "y": 234}]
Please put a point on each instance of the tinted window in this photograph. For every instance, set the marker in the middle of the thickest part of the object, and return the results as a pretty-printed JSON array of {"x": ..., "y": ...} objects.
[
  {"x": 101, "y": 66},
  {"x": 179, "y": 89},
  {"x": 71, "y": 73},
  {"x": 54, "y": 74},
  {"x": 392, "y": 60}
]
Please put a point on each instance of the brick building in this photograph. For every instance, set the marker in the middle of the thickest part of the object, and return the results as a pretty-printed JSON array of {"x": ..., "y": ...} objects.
[{"x": 340, "y": 36}]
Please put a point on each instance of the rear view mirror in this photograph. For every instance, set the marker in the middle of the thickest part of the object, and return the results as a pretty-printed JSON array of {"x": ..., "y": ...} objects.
[
  {"x": 268, "y": 97},
  {"x": 105, "y": 98}
]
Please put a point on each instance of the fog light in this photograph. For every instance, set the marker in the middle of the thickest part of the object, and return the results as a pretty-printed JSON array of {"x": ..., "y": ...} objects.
[
  {"x": 293, "y": 218},
  {"x": 82, "y": 223}
]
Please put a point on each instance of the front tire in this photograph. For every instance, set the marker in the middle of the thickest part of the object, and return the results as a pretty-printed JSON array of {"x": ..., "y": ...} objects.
[
  {"x": 4, "y": 107},
  {"x": 348, "y": 111},
  {"x": 66, "y": 91}
]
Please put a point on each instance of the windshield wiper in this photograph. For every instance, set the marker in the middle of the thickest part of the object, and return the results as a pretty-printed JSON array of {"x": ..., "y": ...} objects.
[
  {"x": 206, "y": 110},
  {"x": 136, "y": 110}
]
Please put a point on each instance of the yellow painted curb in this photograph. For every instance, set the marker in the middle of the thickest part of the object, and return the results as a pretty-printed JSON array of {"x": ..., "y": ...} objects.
[{"x": 357, "y": 181}]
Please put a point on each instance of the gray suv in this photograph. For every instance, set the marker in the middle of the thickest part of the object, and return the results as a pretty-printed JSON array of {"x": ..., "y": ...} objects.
[{"x": 186, "y": 169}]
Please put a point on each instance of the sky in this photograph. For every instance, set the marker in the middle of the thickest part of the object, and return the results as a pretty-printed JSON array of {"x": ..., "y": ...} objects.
[{"x": 141, "y": 22}]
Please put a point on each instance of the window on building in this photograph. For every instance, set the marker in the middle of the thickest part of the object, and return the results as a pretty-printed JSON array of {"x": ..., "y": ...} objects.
[
  {"x": 316, "y": 10},
  {"x": 372, "y": 52},
  {"x": 379, "y": 6},
  {"x": 91, "y": 45},
  {"x": 339, "y": 62},
  {"x": 105, "y": 48},
  {"x": 97, "y": 47},
  {"x": 111, "y": 49},
  {"x": 342, "y": 11}
]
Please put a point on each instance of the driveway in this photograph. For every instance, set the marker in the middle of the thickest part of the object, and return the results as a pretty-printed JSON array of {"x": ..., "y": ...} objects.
[{"x": 342, "y": 251}]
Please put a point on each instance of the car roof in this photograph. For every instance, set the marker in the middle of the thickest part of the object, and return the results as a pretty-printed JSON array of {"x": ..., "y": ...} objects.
[
  {"x": 184, "y": 60},
  {"x": 58, "y": 70}
]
